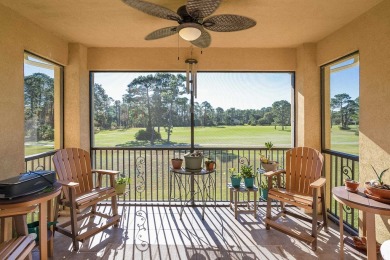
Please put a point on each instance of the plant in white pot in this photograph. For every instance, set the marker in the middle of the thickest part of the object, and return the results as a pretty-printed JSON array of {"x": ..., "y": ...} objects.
[
  {"x": 193, "y": 161},
  {"x": 267, "y": 164},
  {"x": 120, "y": 184}
]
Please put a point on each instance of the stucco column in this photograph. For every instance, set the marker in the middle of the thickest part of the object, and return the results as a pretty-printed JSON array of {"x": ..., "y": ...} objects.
[
  {"x": 308, "y": 97},
  {"x": 76, "y": 99}
]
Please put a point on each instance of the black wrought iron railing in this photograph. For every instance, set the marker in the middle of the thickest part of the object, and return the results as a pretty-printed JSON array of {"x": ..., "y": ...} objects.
[
  {"x": 40, "y": 161},
  {"x": 148, "y": 168},
  {"x": 340, "y": 166}
]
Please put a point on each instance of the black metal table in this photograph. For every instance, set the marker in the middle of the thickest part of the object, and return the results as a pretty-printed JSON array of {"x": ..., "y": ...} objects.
[{"x": 191, "y": 183}]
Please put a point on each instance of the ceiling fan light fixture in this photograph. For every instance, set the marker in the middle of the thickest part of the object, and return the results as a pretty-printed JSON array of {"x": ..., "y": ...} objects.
[{"x": 189, "y": 31}]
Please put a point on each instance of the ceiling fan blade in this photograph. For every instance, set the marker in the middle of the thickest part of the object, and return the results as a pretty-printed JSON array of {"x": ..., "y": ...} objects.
[
  {"x": 203, "y": 41},
  {"x": 202, "y": 8},
  {"x": 161, "y": 33},
  {"x": 228, "y": 23},
  {"x": 153, "y": 9}
]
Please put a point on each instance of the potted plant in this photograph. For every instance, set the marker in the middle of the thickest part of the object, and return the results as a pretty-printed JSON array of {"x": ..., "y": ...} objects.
[
  {"x": 248, "y": 174},
  {"x": 351, "y": 185},
  {"x": 193, "y": 160},
  {"x": 235, "y": 178},
  {"x": 210, "y": 164},
  {"x": 264, "y": 190},
  {"x": 120, "y": 184},
  {"x": 377, "y": 188},
  {"x": 266, "y": 163},
  {"x": 176, "y": 163}
]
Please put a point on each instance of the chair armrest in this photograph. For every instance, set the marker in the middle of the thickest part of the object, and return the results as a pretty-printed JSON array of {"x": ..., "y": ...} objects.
[
  {"x": 273, "y": 173},
  {"x": 318, "y": 183},
  {"x": 109, "y": 172},
  {"x": 70, "y": 184},
  {"x": 16, "y": 211}
]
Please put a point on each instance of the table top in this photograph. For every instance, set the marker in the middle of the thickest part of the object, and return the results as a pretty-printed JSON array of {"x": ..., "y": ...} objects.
[
  {"x": 360, "y": 201},
  {"x": 32, "y": 199},
  {"x": 185, "y": 171}
]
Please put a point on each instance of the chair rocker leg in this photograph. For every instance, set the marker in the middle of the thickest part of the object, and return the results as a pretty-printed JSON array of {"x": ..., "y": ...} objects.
[
  {"x": 114, "y": 206},
  {"x": 314, "y": 223},
  {"x": 73, "y": 219},
  {"x": 269, "y": 213},
  {"x": 324, "y": 216}
]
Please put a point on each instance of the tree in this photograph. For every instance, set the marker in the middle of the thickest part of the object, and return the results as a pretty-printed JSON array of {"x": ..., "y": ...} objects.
[
  {"x": 144, "y": 85},
  {"x": 346, "y": 108},
  {"x": 282, "y": 112},
  {"x": 39, "y": 106}
]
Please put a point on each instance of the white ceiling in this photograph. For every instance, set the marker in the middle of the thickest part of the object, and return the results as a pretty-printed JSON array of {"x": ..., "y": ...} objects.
[{"x": 111, "y": 23}]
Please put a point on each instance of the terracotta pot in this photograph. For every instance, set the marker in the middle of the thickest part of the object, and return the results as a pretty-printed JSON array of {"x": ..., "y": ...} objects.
[
  {"x": 210, "y": 165},
  {"x": 176, "y": 163},
  {"x": 380, "y": 193},
  {"x": 351, "y": 185},
  {"x": 271, "y": 166}
]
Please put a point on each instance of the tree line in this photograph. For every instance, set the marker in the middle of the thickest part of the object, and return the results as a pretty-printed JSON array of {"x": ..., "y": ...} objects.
[{"x": 158, "y": 101}]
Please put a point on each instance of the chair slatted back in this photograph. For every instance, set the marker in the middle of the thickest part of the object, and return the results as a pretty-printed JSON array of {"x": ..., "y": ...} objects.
[
  {"x": 303, "y": 166},
  {"x": 74, "y": 164}
]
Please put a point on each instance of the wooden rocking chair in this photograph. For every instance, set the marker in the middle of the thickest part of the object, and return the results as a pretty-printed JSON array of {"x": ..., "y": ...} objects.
[
  {"x": 73, "y": 167},
  {"x": 21, "y": 246},
  {"x": 302, "y": 185}
]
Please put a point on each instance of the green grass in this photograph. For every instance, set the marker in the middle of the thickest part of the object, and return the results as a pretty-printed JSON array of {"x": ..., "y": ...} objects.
[
  {"x": 345, "y": 140},
  {"x": 205, "y": 136},
  {"x": 228, "y": 136},
  {"x": 38, "y": 147}
]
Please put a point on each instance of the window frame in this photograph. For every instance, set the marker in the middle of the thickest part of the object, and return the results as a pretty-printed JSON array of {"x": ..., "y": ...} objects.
[
  {"x": 58, "y": 104},
  {"x": 323, "y": 106},
  {"x": 91, "y": 107}
]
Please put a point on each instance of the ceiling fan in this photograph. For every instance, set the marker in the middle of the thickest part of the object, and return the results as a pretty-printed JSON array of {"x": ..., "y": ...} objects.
[{"x": 192, "y": 20}]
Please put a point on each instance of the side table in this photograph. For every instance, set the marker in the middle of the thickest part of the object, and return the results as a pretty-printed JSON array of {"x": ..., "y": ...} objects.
[
  {"x": 43, "y": 199},
  {"x": 250, "y": 207},
  {"x": 369, "y": 208}
]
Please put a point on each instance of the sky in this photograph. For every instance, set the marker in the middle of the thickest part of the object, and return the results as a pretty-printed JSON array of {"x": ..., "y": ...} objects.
[{"x": 240, "y": 90}]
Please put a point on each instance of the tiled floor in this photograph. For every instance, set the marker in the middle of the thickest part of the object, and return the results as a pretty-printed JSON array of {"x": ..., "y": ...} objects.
[{"x": 158, "y": 233}]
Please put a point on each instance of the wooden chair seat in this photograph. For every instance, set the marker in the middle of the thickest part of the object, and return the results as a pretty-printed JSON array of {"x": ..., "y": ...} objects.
[
  {"x": 17, "y": 248},
  {"x": 89, "y": 198},
  {"x": 292, "y": 198}
]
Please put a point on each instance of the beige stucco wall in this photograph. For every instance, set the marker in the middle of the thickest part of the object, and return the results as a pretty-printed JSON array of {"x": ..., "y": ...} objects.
[
  {"x": 307, "y": 96},
  {"x": 212, "y": 59},
  {"x": 76, "y": 99},
  {"x": 370, "y": 35},
  {"x": 16, "y": 35}
]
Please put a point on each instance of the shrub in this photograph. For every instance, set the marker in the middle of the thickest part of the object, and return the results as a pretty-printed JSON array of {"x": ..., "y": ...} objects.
[{"x": 145, "y": 136}]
